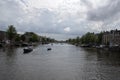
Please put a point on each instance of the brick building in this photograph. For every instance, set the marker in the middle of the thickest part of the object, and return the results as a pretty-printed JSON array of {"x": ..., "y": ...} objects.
[{"x": 112, "y": 37}]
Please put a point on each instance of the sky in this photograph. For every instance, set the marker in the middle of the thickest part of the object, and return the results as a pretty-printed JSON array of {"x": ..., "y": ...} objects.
[{"x": 60, "y": 19}]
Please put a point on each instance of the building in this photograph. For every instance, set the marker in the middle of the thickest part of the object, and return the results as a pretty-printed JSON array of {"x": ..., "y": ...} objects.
[
  {"x": 2, "y": 36},
  {"x": 111, "y": 38},
  {"x": 28, "y": 36},
  {"x": 115, "y": 37},
  {"x": 106, "y": 38},
  {"x": 31, "y": 37}
]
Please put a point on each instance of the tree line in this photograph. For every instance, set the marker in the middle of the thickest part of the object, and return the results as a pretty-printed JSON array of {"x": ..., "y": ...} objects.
[
  {"x": 13, "y": 36},
  {"x": 88, "y": 38}
]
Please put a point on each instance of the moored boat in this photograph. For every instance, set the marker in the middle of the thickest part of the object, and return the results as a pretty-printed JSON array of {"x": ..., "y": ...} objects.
[
  {"x": 49, "y": 49},
  {"x": 27, "y": 50}
]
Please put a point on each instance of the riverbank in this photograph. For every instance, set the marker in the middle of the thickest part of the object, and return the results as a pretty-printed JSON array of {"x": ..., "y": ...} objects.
[
  {"x": 21, "y": 44},
  {"x": 100, "y": 47}
]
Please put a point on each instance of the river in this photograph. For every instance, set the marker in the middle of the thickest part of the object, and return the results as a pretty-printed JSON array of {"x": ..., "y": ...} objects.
[{"x": 63, "y": 62}]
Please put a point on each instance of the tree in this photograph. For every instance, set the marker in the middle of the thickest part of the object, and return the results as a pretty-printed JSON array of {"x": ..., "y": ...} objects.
[
  {"x": 17, "y": 38},
  {"x": 11, "y": 32},
  {"x": 30, "y": 37},
  {"x": 77, "y": 40},
  {"x": 100, "y": 35},
  {"x": 34, "y": 38},
  {"x": 89, "y": 38},
  {"x": 22, "y": 37}
]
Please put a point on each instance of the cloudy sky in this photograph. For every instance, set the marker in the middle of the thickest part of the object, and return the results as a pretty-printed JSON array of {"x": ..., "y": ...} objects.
[{"x": 60, "y": 19}]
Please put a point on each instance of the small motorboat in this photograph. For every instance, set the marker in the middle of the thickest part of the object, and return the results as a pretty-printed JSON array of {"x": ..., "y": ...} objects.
[
  {"x": 49, "y": 49},
  {"x": 27, "y": 50},
  {"x": 25, "y": 44}
]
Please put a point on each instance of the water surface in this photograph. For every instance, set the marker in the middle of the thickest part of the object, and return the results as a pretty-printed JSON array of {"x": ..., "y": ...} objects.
[{"x": 63, "y": 62}]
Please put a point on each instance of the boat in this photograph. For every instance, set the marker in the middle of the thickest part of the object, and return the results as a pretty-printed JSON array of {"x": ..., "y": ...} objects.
[
  {"x": 49, "y": 49},
  {"x": 1, "y": 45},
  {"x": 25, "y": 44},
  {"x": 114, "y": 48},
  {"x": 27, "y": 50}
]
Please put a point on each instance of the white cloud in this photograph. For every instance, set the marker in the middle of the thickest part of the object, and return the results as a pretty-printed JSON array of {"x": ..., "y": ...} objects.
[
  {"x": 44, "y": 3},
  {"x": 46, "y": 16},
  {"x": 67, "y": 29}
]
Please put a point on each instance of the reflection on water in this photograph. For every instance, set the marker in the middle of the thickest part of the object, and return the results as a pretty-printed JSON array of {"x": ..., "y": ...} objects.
[
  {"x": 63, "y": 62},
  {"x": 10, "y": 52}
]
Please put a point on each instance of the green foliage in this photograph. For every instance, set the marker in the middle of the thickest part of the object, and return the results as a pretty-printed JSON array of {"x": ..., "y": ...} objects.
[
  {"x": 74, "y": 41},
  {"x": 22, "y": 37},
  {"x": 100, "y": 35},
  {"x": 26, "y": 37},
  {"x": 11, "y": 32},
  {"x": 34, "y": 38},
  {"x": 47, "y": 40},
  {"x": 77, "y": 40},
  {"x": 17, "y": 38},
  {"x": 88, "y": 38},
  {"x": 30, "y": 37}
]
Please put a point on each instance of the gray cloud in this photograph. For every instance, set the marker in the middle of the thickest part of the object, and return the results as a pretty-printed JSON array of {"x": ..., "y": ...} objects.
[
  {"x": 10, "y": 12},
  {"x": 44, "y": 20},
  {"x": 87, "y": 3},
  {"x": 105, "y": 12}
]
